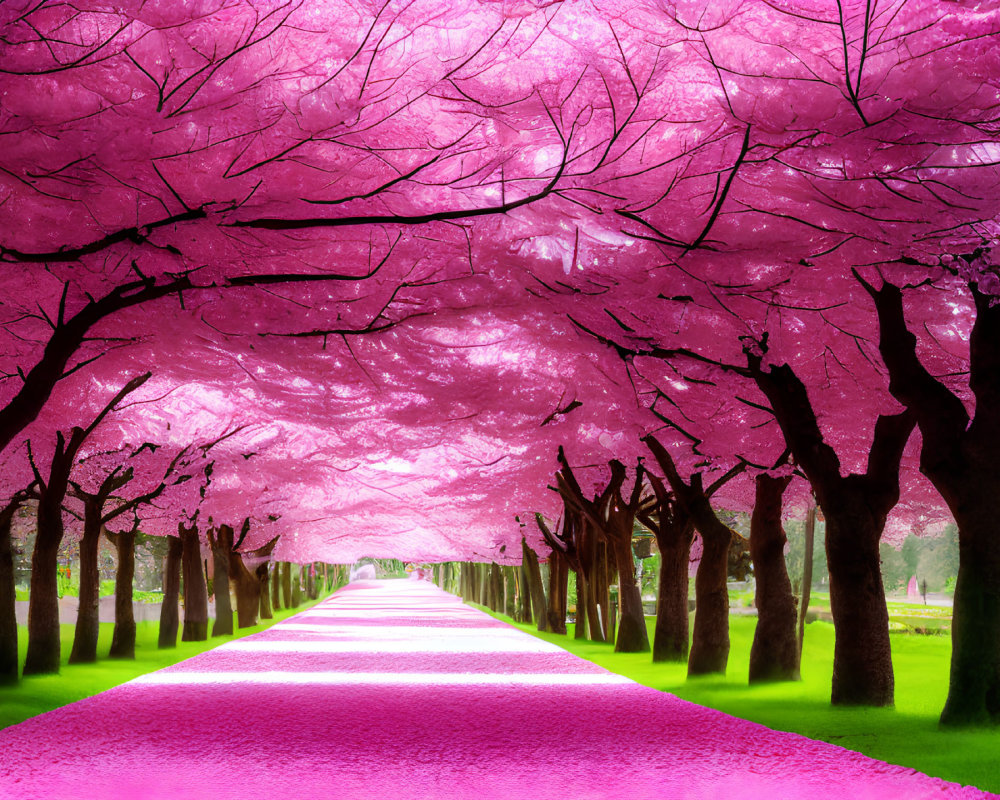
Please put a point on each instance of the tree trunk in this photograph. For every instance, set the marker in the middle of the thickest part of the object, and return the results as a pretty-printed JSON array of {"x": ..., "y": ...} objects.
[
  {"x": 601, "y": 582},
  {"x": 862, "y": 656},
  {"x": 580, "y": 630},
  {"x": 169, "y": 612},
  {"x": 296, "y": 582},
  {"x": 809, "y": 532},
  {"x": 310, "y": 580},
  {"x": 87, "y": 616},
  {"x": 671, "y": 636},
  {"x": 497, "y": 589},
  {"x": 558, "y": 591},
  {"x": 710, "y": 638},
  {"x": 524, "y": 613},
  {"x": 974, "y": 685},
  {"x": 123, "y": 637},
  {"x": 534, "y": 585},
  {"x": 286, "y": 584},
  {"x": 276, "y": 586},
  {"x": 774, "y": 655},
  {"x": 8, "y": 596},
  {"x": 195, "y": 589},
  {"x": 264, "y": 578},
  {"x": 632, "y": 636},
  {"x": 247, "y": 586},
  {"x": 594, "y": 631},
  {"x": 222, "y": 550},
  {"x": 43, "y": 602},
  {"x": 510, "y": 593}
]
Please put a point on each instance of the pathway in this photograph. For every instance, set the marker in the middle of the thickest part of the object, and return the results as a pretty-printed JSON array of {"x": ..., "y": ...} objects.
[{"x": 394, "y": 689}]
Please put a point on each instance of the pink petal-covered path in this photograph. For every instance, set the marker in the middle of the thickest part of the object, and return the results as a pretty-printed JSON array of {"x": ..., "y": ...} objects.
[{"x": 395, "y": 689}]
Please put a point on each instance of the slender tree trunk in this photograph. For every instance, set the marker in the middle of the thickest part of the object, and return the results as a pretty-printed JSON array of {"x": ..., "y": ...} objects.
[
  {"x": 296, "y": 585},
  {"x": 43, "y": 602},
  {"x": 264, "y": 579},
  {"x": 276, "y": 586},
  {"x": 123, "y": 637},
  {"x": 534, "y": 585},
  {"x": 88, "y": 614},
  {"x": 169, "y": 612},
  {"x": 310, "y": 580},
  {"x": 286, "y": 584},
  {"x": 483, "y": 576},
  {"x": 496, "y": 588},
  {"x": 195, "y": 589},
  {"x": 710, "y": 638},
  {"x": 510, "y": 593},
  {"x": 632, "y": 636},
  {"x": 582, "y": 604},
  {"x": 601, "y": 583},
  {"x": 594, "y": 630},
  {"x": 524, "y": 595},
  {"x": 862, "y": 656},
  {"x": 671, "y": 636},
  {"x": 558, "y": 591},
  {"x": 8, "y": 596},
  {"x": 222, "y": 549},
  {"x": 774, "y": 655},
  {"x": 463, "y": 581},
  {"x": 807, "y": 574}
]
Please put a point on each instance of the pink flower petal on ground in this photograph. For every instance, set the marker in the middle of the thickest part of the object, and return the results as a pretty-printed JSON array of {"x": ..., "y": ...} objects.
[{"x": 397, "y": 689}]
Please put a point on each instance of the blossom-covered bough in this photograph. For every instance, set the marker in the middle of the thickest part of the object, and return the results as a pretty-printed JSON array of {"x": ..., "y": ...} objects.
[{"x": 408, "y": 250}]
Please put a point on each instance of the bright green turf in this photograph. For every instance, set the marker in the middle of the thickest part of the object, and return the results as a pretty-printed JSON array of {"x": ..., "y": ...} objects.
[
  {"x": 38, "y": 693},
  {"x": 907, "y": 735}
]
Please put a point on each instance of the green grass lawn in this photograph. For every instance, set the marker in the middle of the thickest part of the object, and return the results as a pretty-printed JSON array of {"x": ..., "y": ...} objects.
[
  {"x": 907, "y": 734},
  {"x": 38, "y": 693}
]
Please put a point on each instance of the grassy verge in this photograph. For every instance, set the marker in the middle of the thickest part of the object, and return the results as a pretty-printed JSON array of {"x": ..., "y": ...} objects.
[
  {"x": 39, "y": 693},
  {"x": 907, "y": 735}
]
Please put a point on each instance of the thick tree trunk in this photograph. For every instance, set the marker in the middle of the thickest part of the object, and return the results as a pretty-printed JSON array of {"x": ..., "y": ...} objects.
[
  {"x": 43, "y": 602},
  {"x": 8, "y": 595},
  {"x": 123, "y": 637},
  {"x": 774, "y": 655},
  {"x": 247, "y": 586},
  {"x": 632, "y": 636},
  {"x": 710, "y": 637},
  {"x": 87, "y": 616},
  {"x": 195, "y": 589},
  {"x": 862, "y": 656},
  {"x": 169, "y": 612},
  {"x": 974, "y": 685},
  {"x": 286, "y": 584},
  {"x": 671, "y": 636},
  {"x": 558, "y": 591},
  {"x": 534, "y": 587},
  {"x": 222, "y": 550}
]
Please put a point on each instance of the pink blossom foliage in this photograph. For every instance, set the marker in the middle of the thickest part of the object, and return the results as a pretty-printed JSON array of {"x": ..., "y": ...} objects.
[{"x": 394, "y": 239}]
